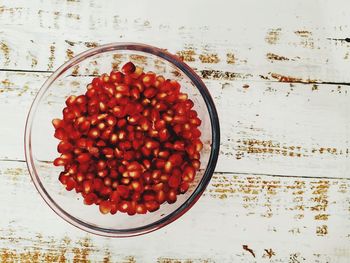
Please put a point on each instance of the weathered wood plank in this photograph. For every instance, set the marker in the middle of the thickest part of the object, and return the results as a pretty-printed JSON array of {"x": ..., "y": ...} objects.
[
  {"x": 281, "y": 216},
  {"x": 292, "y": 45},
  {"x": 267, "y": 127}
]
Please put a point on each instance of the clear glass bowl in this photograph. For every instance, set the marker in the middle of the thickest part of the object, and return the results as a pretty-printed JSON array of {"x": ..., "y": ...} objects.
[{"x": 72, "y": 78}]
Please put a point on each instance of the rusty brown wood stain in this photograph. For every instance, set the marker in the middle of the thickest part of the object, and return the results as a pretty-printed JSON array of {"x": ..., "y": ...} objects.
[
  {"x": 6, "y": 51},
  {"x": 51, "y": 57},
  {"x": 290, "y": 79},
  {"x": 209, "y": 58},
  {"x": 273, "y": 35},
  {"x": 69, "y": 53},
  {"x": 230, "y": 58},
  {"x": 273, "y": 57},
  {"x": 186, "y": 55},
  {"x": 223, "y": 75}
]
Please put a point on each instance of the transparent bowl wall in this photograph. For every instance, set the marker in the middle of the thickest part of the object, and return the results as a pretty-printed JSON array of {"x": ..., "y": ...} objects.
[{"x": 72, "y": 78}]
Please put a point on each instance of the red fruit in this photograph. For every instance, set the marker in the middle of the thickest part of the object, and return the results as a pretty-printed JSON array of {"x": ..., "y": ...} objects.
[
  {"x": 161, "y": 197},
  {"x": 105, "y": 207},
  {"x": 105, "y": 191},
  {"x": 90, "y": 198},
  {"x": 97, "y": 184},
  {"x": 150, "y": 93},
  {"x": 171, "y": 196},
  {"x": 70, "y": 184},
  {"x": 57, "y": 123},
  {"x": 88, "y": 186},
  {"x": 196, "y": 164},
  {"x": 123, "y": 206},
  {"x": 152, "y": 206},
  {"x": 164, "y": 134},
  {"x": 108, "y": 152},
  {"x": 59, "y": 162},
  {"x": 123, "y": 191},
  {"x": 179, "y": 146},
  {"x": 188, "y": 174},
  {"x": 83, "y": 158},
  {"x": 94, "y": 133},
  {"x": 60, "y": 134},
  {"x": 141, "y": 209},
  {"x": 128, "y": 68},
  {"x": 96, "y": 82},
  {"x": 149, "y": 195},
  {"x": 132, "y": 208},
  {"x": 149, "y": 79},
  {"x": 114, "y": 197},
  {"x": 174, "y": 181},
  {"x": 114, "y": 208},
  {"x": 116, "y": 76}
]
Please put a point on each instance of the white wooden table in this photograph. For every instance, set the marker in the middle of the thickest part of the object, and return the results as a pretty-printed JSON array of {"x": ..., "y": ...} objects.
[{"x": 279, "y": 73}]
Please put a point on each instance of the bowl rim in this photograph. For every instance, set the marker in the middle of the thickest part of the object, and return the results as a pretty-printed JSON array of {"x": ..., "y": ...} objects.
[{"x": 191, "y": 200}]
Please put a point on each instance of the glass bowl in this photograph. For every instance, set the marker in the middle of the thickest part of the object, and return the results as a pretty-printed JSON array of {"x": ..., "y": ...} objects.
[{"x": 71, "y": 79}]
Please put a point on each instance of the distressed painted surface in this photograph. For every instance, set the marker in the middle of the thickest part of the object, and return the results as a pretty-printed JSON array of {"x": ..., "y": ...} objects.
[
  {"x": 279, "y": 74},
  {"x": 309, "y": 137},
  {"x": 302, "y": 217}
]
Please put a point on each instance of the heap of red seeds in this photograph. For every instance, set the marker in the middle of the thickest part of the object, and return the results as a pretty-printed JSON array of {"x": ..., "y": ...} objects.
[{"x": 130, "y": 143}]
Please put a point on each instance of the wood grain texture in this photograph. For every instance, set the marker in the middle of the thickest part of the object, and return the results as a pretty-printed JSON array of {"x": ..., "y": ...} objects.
[
  {"x": 279, "y": 76},
  {"x": 310, "y": 137},
  {"x": 293, "y": 217}
]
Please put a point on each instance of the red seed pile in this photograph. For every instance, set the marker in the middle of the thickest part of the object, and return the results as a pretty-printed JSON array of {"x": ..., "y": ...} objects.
[{"x": 130, "y": 143}]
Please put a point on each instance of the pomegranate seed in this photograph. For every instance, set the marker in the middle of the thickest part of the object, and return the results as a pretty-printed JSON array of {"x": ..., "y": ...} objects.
[
  {"x": 152, "y": 206},
  {"x": 188, "y": 174},
  {"x": 107, "y": 181},
  {"x": 182, "y": 97},
  {"x": 141, "y": 209},
  {"x": 137, "y": 73},
  {"x": 114, "y": 208},
  {"x": 116, "y": 76},
  {"x": 137, "y": 186},
  {"x": 132, "y": 208},
  {"x": 123, "y": 191},
  {"x": 161, "y": 197},
  {"x": 90, "y": 198},
  {"x": 97, "y": 184},
  {"x": 164, "y": 134},
  {"x": 149, "y": 195},
  {"x": 179, "y": 146},
  {"x": 159, "y": 163},
  {"x": 160, "y": 106},
  {"x": 149, "y": 79},
  {"x": 60, "y": 134},
  {"x": 105, "y": 207},
  {"x": 128, "y": 68},
  {"x": 102, "y": 173},
  {"x": 94, "y": 133},
  {"x": 150, "y": 93},
  {"x": 88, "y": 186},
  {"x": 84, "y": 158},
  {"x": 108, "y": 152},
  {"x": 70, "y": 184},
  {"x": 80, "y": 177},
  {"x": 196, "y": 164},
  {"x": 125, "y": 181},
  {"x": 172, "y": 196},
  {"x": 123, "y": 206},
  {"x": 174, "y": 181},
  {"x": 59, "y": 162},
  {"x": 57, "y": 123},
  {"x": 105, "y": 191},
  {"x": 114, "y": 197}
]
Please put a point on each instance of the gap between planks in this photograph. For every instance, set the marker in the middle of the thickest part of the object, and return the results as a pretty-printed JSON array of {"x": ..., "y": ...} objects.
[
  {"x": 240, "y": 173},
  {"x": 263, "y": 79}
]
